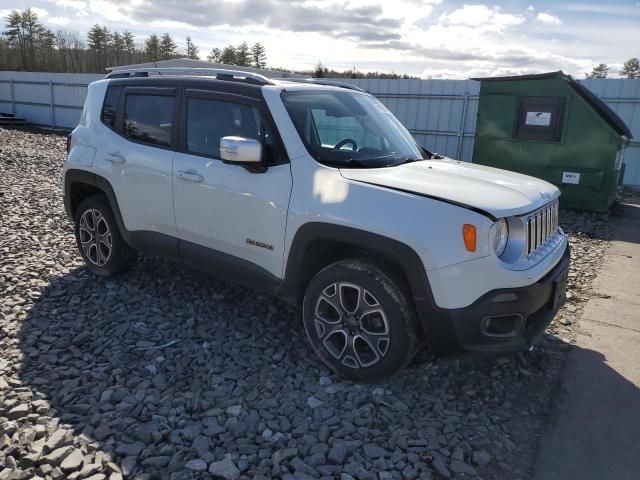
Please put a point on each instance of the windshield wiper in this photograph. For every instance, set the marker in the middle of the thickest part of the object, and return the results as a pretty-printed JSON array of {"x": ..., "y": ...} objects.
[{"x": 346, "y": 162}]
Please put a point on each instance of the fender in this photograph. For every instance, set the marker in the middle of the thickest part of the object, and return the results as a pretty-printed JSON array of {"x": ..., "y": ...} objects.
[
  {"x": 302, "y": 255},
  {"x": 150, "y": 242}
]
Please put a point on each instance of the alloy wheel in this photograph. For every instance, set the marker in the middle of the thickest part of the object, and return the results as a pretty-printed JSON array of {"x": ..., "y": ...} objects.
[
  {"x": 352, "y": 325},
  {"x": 95, "y": 237}
]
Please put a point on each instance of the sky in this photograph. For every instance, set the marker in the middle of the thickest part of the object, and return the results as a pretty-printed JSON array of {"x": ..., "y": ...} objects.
[{"x": 425, "y": 38}]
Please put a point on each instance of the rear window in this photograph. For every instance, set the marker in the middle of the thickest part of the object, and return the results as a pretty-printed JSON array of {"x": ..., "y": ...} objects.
[
  {"x": 110, "y": 106},
  {"x": 149, "y": 118}
]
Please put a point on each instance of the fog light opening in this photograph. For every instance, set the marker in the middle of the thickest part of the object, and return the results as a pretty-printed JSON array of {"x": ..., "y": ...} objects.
[{"x": 502, "y": 325}]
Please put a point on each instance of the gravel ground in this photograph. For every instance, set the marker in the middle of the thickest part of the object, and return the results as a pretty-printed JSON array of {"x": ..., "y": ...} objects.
[{"x": 167, "y": 373}]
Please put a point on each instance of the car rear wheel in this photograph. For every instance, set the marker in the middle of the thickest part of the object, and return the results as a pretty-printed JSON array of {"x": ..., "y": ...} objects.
[
  {"x": 359, "y": 320},
  {"x": 99, "y": 241}
]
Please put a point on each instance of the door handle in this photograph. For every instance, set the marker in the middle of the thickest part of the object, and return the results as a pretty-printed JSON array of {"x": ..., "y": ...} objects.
[
  {"x": 190, "y": 176},
  {"x": 115, "y": 158}
]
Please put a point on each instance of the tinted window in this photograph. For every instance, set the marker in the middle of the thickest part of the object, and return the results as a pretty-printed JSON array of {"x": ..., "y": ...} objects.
[
  {"x": 210, "y": 120},
  {"x": 149, "y": 118},
  {"x": 540, "y": 118},
  {"x": 110, "y": 106}
]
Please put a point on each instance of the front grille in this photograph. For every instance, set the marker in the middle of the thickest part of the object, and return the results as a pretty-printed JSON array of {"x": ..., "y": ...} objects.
[{"x": 541, "y": 225}]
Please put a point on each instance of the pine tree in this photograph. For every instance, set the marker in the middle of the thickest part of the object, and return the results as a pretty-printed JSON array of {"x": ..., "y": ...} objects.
[
  {"x": 129, "y": 45},
  {"x": 152, "y": 48},
  {"x": 192, "y": 50},
  {"x": 168, "y": 47},
  {"x": 228, "y": 55},
  {"x": 98, "y": 40},
  {"x": 242, "y": 55},
  {"x": 631, "y": 68},
  {"x": 117, "y": 49},
  {"x": 599, "y": 71},
  {"x": 258, "y": 55},
  {"x": 214, "y": 55}
]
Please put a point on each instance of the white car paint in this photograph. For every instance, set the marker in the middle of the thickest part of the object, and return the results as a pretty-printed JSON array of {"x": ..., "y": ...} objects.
[
  {"x": 499, "y": 192},
  {"x": 418, "y": 204}
]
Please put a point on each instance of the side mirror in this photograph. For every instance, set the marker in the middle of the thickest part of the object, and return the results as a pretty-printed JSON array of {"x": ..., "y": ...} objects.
[{"x": 240, "y": 150}]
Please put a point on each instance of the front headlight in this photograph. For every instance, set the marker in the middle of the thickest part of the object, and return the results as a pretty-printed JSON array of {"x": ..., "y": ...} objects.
[{"x": 500, "y": 236}]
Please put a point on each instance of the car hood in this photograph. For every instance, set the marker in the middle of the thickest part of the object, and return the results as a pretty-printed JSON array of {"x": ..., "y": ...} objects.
[{"x": 500, "y": 193}]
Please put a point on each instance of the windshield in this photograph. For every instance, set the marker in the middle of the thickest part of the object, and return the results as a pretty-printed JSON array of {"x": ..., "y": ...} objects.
[{"x": 350, "y": 129}]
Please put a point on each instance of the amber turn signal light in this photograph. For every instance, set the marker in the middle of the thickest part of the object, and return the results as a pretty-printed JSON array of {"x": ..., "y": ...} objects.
[{"x": 469, "y": 236}]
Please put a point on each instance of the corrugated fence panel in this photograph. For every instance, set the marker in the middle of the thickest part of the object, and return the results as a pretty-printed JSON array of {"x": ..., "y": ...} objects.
[
  {"x": 46, "y": 99},
  {"x": 623, "y": 96},
  {"x": 441, "y": 114}
]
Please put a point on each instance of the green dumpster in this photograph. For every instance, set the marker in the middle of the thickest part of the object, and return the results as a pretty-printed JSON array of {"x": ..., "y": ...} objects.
[{"x": 551, "y": 127}]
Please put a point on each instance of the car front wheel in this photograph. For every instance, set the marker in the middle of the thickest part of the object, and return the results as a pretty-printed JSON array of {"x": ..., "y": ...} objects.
[{"x": 359, "y": 320}]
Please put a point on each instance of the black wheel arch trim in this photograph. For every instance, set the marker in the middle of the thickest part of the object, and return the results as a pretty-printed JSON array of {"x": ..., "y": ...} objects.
[
  {"x": 75, "y": 176},
  {"x": 384, "y": 248}
]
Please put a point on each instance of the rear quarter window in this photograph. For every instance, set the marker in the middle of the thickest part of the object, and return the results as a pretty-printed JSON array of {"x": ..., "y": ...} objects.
[{"x": 110, "y": 106}]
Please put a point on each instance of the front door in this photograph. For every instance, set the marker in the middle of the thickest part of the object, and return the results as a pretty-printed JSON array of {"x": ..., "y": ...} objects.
[{"x": 238, "y": 212}]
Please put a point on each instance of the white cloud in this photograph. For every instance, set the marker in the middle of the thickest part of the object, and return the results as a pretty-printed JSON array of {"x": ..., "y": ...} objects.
[
  {"x": 77, "y": 4},
  {"x": 548, "y": 19},
  {"x": 59, "y": 21},
  {"x": 530, "y": 8},
  {"x": 41, "y": 12},
  {"x": 481, "y": 15}
]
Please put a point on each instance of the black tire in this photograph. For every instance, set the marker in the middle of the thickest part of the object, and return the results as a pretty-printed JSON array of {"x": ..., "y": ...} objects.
[
  {"x": 338, "y": 334},
  {"x": 95, "y": 251}
]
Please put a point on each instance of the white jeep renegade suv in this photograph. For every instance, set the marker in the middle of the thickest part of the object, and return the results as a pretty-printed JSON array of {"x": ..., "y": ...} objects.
[{"x": 313, "y": 191}]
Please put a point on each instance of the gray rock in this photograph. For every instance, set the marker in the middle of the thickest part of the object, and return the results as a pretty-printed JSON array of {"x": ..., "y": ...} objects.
[
  {"x": 56, "y": 440},
  {"x": 234, "y": 410},
  {"x": 18, "y": 411},
  {"x": 196, "y": 465},
  {"x": 372, "y": 451},
  {"x": 337, "y": 454},
  {"x": 481, "y": 457},
  {"x": 441, "y": 467},
  {"x": 129, "y": 449},
  {"x": 457, "y": 466},
  {"x": 313, "y": 402},
  {"x": 55, "y": 458},
  {"x": 224, "y": 469},
  {"x": 325, "y": 381},
  {"x": 73, "y": 461}
]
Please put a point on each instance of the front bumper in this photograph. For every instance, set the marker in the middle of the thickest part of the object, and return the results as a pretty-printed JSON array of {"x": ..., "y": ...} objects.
[{"x": 501, "y": 320}]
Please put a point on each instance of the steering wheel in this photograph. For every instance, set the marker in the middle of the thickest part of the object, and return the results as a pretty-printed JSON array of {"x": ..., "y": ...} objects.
[{"x": 342, "y": 143}]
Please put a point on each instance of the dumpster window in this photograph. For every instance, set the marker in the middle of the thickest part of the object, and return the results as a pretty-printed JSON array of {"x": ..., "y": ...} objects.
[{"x": 540, "y": 118}]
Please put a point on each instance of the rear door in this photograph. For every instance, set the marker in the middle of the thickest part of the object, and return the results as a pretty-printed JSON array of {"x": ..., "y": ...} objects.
[
  {"x": 228, "y": 208},
  {"x": 138, "y": 154}
]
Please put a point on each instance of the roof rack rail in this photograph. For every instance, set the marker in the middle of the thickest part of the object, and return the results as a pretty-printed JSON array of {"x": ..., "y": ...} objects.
[
  {"x": 320, "y": 81},
  {"x": 220, "y": 74}
]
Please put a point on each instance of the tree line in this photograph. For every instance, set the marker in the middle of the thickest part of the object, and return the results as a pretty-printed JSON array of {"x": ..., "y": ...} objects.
[
  {"x": 630, "y": 69},
  {"x": 26, "y": 44}
]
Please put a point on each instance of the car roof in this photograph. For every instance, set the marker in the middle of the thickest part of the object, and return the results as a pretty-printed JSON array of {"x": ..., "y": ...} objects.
[{"x": 230, "y": 85}]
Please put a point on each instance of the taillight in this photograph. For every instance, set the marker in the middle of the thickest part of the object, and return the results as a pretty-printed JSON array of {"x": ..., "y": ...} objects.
[{"x": 68, "y": 143}]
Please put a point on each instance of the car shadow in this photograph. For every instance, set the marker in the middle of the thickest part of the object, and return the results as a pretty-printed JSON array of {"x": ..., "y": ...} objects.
[{"x": 164, "y": 365}]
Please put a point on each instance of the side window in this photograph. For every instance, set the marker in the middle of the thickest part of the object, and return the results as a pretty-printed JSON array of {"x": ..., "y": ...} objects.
[
  {"x": 540, "y": 118},
  {"x": 110, "y": 106},
  {"x": 209, "y": 120},
  {"x": 149, "y": 118}
]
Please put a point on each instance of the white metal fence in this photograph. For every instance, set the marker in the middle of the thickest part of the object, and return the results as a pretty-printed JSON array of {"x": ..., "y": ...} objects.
[{"x": 441, "y": 114}]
